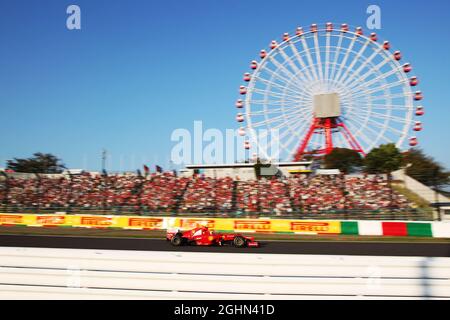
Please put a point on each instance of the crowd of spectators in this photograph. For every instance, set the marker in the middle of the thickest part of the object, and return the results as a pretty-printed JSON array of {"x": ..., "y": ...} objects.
[
  {"x": 317, "y": 194},
  {"x": 207, "y": 194},
  {"x": 264, "y": 195},
  {"x": 336, "y": 193},
  {"x": 165, "y": 192}
]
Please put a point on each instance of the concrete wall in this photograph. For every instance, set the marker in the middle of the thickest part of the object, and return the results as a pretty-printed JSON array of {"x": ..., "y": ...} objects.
[{"x": 44, "y": 273}]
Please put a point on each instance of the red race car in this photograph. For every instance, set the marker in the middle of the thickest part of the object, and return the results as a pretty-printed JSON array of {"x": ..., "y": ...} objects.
[{"x": 204, "y": 237}]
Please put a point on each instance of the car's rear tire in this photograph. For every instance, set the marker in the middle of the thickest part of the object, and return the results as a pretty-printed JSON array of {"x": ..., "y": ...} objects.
[
  {"x": 177, "y": 240},
  {"x": 239, "y": 242}
]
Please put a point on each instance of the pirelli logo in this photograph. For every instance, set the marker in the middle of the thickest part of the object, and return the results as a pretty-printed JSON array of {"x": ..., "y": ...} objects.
[
  {"x": 96, "y": 221},
  {"x": 145, "y": 223},
  {"x": 49, "y": 220},
  {"x": 191, "y": 223},
  {"x": 310, "y": 226},
  {"x": 10, "y": 219},
  {"x": 252, "y": 225}
]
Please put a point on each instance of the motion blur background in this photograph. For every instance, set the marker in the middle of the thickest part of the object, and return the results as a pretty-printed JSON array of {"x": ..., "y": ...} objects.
[{"x": 137, "y": 70}]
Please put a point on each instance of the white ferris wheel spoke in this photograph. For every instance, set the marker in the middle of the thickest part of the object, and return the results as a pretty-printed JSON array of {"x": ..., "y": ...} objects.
[
  {"x": 318, "y": 58},
  {"x": 393, "y": 96},
  {"x": 363, "y": 65},
  {"x": 295, "y": 133},
  {"x": 384, "y": 97},
  {"x": 273, "y": 102},
  {"x": 381, "y": 126},
  {"x": 336, "y": 56},
  {"x": 301, "y": 116},
  {"x": 271, "y": 111},
  {"x": 381, "y": 76},
  {"x": 286, "y": 144},
  {"x": 400, "y": 107},
  {"x": 309, "y": 58},
  {"x": 383, "y": 87},
  {"x": 275, "y": 74},
  {"x": 327, "y": 60},
  {"x": 274, "y": 84},
  {"x": 386, "y": 117},
  {"x": 300, "y": 60},
  {"x": 339, "y": 141},
  {"x": 358, "y": 131},
  {"x": 363, "y": 140},
  {"x": 301, "y": 93},
  {"x": 355, "y": 78},
  {"x": 344, "y": 61},
  {"x": 290, "y": 62},
  {"x": 355, "y": 60},
  {"x": 277, "y": 95},
  {"x": 285, "y": 71},
  {"x": 267, "y": 122}
]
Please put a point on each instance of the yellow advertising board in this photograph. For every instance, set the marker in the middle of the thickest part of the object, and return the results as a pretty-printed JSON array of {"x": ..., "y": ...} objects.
[
  {"x": 260, "y": 225},
  {"x": 162, "y": 223},
  {"x": 11, "y": 219},
  {"x": 145, "y": 223}
]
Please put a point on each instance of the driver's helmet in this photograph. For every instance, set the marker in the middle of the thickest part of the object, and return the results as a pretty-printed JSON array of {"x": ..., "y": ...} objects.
[{"x": 205, "y": 230}]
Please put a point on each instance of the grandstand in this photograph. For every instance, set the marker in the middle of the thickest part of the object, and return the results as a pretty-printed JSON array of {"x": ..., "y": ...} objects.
[{"x": 298, "y": 195}]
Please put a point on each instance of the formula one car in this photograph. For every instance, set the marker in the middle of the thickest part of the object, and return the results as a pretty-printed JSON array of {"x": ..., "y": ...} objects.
[{"x": 204, "y": 237}]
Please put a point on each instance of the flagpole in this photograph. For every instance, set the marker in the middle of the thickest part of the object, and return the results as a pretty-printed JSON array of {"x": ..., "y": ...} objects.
[{"x": 103, "y": 160}]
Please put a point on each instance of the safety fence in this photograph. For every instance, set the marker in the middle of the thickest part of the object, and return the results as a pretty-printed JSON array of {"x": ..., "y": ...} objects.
[
  {"x": 43, "y": 273},
  {"x": 281, "y": 226}
]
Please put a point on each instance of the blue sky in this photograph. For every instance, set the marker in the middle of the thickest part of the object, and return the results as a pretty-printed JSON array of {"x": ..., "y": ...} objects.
[{"x": 137, "y": 70}]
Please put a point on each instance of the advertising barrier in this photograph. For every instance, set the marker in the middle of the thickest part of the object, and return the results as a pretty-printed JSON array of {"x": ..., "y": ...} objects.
[
  {"x": 281, "y": 226},
  {"x": 261, "y": 225}
]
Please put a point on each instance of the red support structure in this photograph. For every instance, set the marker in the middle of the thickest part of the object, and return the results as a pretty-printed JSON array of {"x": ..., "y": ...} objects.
[
  {"x": 326, "y": 126},
  {"x": 357, "y": 146},
  {"x": 328, "y": 136},
  {"x": 305, "y": 141}
]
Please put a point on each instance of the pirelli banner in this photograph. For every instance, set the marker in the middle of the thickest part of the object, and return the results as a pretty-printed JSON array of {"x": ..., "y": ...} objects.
[
  {"x": 84, "y": 221},
  {"x": 160, "y": 223},
  {"x": 260, "y": 225}
]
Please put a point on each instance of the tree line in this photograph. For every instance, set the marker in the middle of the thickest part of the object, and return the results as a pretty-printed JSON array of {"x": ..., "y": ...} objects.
[{"x": 388, "y": 158}]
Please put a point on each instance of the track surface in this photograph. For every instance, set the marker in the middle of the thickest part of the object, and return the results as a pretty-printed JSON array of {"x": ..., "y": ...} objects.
[{"x": 274, "y": 247}]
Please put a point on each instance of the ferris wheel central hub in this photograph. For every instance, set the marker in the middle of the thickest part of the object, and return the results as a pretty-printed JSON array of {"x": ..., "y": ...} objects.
[{"x": 326, "y": 105}]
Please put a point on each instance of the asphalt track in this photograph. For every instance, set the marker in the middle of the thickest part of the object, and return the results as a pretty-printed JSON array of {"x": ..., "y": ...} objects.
[{"x": 273, "y": 247}]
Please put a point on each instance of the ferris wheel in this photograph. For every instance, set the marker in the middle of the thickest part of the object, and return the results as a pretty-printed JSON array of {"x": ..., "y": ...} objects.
[{"x": 325, "y": 87}]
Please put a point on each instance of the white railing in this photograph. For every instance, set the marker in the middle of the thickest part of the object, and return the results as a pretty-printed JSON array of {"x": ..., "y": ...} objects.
[{"x": 31, "y": 273}]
